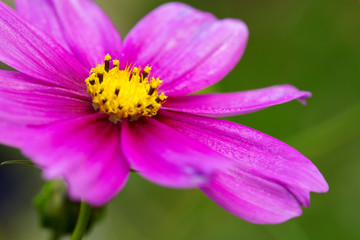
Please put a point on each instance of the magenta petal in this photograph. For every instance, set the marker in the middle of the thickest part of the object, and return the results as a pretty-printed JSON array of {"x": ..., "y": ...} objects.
[
  {"x": 85, "y": 152},
  {"x": 14, "y": 135},
  {"x": 254, "y": 153},
  {"x": 230, "y": 104},
  {"x": 28, "y": 101},
  {"x": 252, "y": 198},
  {"x": 79, "y": 25},
  {"x": 188, "y": 49},
  {"x": 166, "y": 157},
  {"x": 88, "y": 31},
  {"x": 30, "y": 51},
  {"x": 42, "y": 14}
]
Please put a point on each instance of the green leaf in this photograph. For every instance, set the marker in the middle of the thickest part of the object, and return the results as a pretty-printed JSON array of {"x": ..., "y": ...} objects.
[{"x": 24, "y": 162}]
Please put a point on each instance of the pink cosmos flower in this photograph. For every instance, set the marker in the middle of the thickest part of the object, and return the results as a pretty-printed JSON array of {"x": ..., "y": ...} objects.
[{"x": 89, "y": 120}]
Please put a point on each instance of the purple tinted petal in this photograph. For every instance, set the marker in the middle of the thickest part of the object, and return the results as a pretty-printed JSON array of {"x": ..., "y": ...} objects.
[
  {"x": 79, "y": 25},
  {"x": 252, "y": 198},
  {"x": 29, "y": 101},
  {"x": 88, "y": 31},
  {"x": 167, "y": 157},
  {"x": 255, "y": 153},
  {"x": 85, "y": 152},
  {"x": 188, "y": 49},
  {"x": 14, "y": 135},
  {"x": 30, "y": 51},
  {"x": 42, "y": 14},
  {"x": 230, "y": 104}
]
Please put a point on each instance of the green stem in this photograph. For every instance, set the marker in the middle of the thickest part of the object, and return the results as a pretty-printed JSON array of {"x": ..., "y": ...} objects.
[{"x": 82, "y": 222}]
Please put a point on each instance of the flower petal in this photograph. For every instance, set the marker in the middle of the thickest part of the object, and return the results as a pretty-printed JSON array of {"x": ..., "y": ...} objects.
[
  {"x": 30, "y": 51},
  {"x": 42, "y": 14},
  {"x": 85, "y": 152},
  {"x": 14, "y": 135},
  {"x": 85, "y": 29},
  {"x": 231, "y": 104},
  {"x": 255, "y": 153},
  {"x": 186, "y": 48},
  {"x": 252, "y": 198},
  {"x": 167, "y": 157},
  {"x": 29, "y": 101}
]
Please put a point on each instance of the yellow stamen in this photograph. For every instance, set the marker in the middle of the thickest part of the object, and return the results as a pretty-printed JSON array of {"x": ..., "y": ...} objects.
[{"x": 127, "y": 93}]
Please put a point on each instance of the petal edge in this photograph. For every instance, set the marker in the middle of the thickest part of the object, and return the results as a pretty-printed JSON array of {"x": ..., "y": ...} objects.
[{"x": 235, "y": 103}]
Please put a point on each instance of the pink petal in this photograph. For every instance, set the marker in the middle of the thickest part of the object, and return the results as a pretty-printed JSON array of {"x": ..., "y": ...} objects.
[
  {"x": 80, "y": 26},
  {"x": 252, "y": 198},
  {"x": 42, "y": 14},
  {"x": 30, "y": 51},
  {"x": 14, "y": 135},
  {"x": 231, "y": 104},
  {"x": 258, "y": 155},
  {"x": 85, "y": 152},
  {"x": 188, "y": 49},
  {"x": 29, "y": 101},
  {"x": 167, "y": 157}
]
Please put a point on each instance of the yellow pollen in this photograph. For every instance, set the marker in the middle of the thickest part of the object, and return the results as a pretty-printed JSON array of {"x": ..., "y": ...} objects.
[{"x": 128, "y": 93}]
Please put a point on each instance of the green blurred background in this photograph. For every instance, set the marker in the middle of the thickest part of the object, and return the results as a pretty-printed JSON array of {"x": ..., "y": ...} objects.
[{"x": 313, "y": 45}]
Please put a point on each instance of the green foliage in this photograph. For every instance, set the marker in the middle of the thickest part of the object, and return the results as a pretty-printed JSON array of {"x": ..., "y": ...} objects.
[
  {"x": 58, "y": 213},
  {"x": 23, "y": 162}
]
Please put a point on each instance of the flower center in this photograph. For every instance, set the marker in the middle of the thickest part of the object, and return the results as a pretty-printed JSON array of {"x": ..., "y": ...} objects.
[{"x": 128, "y": 93}]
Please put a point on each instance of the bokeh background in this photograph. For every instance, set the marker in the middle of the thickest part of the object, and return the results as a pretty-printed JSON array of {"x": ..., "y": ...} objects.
[{"x": 314, "y": 45}]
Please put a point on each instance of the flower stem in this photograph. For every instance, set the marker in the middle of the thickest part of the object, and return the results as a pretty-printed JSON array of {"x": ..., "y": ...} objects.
[{"x": 82, "y": 222}]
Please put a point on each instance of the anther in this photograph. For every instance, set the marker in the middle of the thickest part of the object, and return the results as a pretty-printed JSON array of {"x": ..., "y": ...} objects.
[
  {"x": 151, "y": 91},
  {"x": 134, "y": 73},
  {"x": 107, "y": 62},
  {"x": 146, "y": 71},
  {"x": 126, "y": 93},
  {"x": 100, "y": 75},
  {"x": 116, "y": 63}
]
